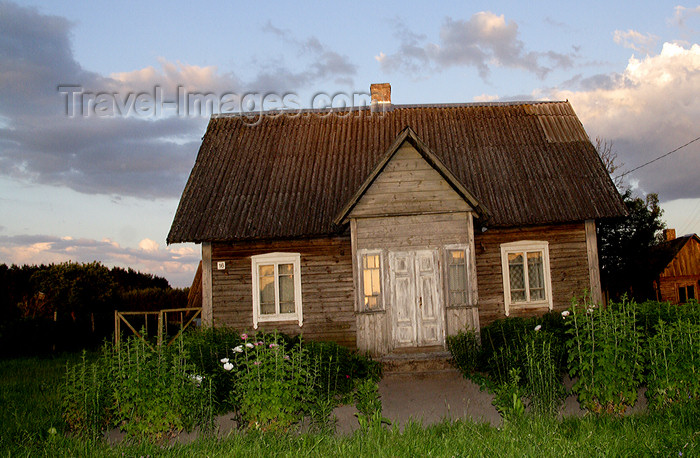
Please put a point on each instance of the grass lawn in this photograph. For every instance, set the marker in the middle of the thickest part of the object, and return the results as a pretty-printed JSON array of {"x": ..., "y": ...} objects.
[{"x": 30, "y": 406}]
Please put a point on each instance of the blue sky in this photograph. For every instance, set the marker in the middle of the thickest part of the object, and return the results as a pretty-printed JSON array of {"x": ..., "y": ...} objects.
[{"x": 106, "y": 187}]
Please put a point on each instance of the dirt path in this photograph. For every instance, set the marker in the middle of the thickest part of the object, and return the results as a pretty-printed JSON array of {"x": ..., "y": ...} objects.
[{"x": 429, "y": 397}]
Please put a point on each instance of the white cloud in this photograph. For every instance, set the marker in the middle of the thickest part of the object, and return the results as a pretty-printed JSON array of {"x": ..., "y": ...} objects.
[
  {"x": 486, "y": 98},
  {"x": 681, "y": 14},
  {"x": 483, "y": 41},
  {"x": 149, "y": 245},
  {"x": 649, "y": 109},
  {"x": 634, "y": 40}
]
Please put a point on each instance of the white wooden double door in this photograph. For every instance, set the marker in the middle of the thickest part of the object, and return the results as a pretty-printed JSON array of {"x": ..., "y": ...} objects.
[{"x": 417, "y": 307}]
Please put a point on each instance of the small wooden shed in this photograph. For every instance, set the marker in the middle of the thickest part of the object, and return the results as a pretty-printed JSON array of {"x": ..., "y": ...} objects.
[{"x": 676, "y": 265}]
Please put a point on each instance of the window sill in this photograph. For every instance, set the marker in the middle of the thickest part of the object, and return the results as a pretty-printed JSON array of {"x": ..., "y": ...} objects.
[
  {"x": 457, "y": 307},
  {"x": 370, "y": 312}
]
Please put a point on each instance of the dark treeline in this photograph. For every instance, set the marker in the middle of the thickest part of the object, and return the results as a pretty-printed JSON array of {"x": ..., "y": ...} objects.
[{"x": 70, "y": 305}]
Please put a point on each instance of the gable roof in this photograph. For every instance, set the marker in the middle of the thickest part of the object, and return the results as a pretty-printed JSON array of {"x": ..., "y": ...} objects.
[
  {"x": 665, "y": 252},
  {"x": 289, "y": 176},
  {"x": 409, "y": 136}
]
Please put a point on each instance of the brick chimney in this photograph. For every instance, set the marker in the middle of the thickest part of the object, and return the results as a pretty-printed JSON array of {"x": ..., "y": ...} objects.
[
  {"x": 669, "y": 234},
  {"x": 381, "y": 93}
]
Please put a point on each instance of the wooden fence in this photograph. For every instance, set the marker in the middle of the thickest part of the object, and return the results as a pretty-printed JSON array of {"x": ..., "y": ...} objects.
[{"x": 162, "y": 323}]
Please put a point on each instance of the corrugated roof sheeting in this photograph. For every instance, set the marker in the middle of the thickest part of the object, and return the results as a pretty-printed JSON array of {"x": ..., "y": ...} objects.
[{"x": 288, "y": 176}]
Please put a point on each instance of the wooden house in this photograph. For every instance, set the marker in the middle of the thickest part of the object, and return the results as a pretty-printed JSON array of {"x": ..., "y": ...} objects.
[
  {"x": 393, "y": 226},
  {"x": 676, "y": 268}
]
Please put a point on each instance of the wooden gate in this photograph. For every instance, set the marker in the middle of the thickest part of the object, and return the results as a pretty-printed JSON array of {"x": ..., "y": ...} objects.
[{"x": 162, "y": 316}]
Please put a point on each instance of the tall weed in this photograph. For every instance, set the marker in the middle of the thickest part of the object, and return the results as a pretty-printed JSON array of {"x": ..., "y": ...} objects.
[
  {"x": 673, "y": 363},
  {"x": 605, "y": 353}
]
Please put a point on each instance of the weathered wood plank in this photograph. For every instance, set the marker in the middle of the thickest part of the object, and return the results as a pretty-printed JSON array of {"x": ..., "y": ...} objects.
[
  {"x": 568, "y": 260},
  {"x": 327, "y": 287}
]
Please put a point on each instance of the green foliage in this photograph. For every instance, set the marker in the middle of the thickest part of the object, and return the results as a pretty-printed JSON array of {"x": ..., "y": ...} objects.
[
  {"x": 674, "y": 359},
  {"x": 148, "y": 393},
  {"x": 369, "y": 406},
  {"x": 464, "y": 348},
  {"x": 605, "y": 353},
  {"x": 30, "y": 391},
  {"x": 206, "y": 346},
  {"x": 543, "y": 385},
  {"x": 86, "y": 398},
  {"x": 69, "y": 306},
  {"x": 156, "y": 392},
  {"x": 508, "y": 396},
  {"x": 272, "y": 384},
  {"x": 624, "y": 244}
]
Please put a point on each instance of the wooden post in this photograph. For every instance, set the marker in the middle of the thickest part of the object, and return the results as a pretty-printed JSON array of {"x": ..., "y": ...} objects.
[
  {"x": 593, "y": 268},
  {"x": 207, "y": 312},
  {"x": 117, "y": 330}
]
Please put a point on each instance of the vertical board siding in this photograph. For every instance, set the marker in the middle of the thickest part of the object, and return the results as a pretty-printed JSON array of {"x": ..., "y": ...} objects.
[
  {"x": 460, "y": 319},
  {"x": 326, "y": 287},
  {"x": 568, "y": 260}
]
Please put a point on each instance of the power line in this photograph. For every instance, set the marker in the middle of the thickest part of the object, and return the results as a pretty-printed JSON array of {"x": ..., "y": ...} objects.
[{"x": 660, "y": 157}]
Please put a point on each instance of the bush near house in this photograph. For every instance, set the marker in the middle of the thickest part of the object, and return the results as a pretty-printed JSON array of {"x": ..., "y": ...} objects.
[
  {"x": 609, "y": 351},
  {"x": 152, "y": 393}
]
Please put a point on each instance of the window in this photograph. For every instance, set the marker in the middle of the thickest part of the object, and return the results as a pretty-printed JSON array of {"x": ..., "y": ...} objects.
[
  {"x": 371, "y": 281},
  {"x": 686, "y": 293},
  {"x": 526, "y": 275},
  {"x": 276, "y": 288},
  {"x": 457, "y": 277}
]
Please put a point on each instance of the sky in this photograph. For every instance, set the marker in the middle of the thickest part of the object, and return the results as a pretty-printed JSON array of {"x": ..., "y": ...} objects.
[{"x": 96, "y": 142}]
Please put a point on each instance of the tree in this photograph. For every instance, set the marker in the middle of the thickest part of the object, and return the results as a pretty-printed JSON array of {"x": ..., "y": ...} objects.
[
  {"x": 625, "y": 247},
  {"x": 625, "y": 243}
]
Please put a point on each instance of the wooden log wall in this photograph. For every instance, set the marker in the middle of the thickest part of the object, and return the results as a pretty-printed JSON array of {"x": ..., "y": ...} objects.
[
  {"x": 568, "y": 262},
  {"x": 326, "y": 287}
]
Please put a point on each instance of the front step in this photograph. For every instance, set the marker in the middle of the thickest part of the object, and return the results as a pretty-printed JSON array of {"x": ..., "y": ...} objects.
[{"x": 405, "y": 362}]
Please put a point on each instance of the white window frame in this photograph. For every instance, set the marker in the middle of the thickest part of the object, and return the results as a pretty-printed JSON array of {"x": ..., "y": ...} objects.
[
  {"x": 276, "y": 259},
  {"x": 467, "y": 263},
  {"x": 519, "y": 247},
  {"x": 381, "y": 307}
]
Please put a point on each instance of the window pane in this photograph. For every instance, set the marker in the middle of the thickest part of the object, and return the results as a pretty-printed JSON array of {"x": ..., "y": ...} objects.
[
  {"x": 267, "y": 289},
  {"x": 681, "y": 294},
  {"x": 691, "y": 292},
  {"x": 370, "y": 280},
  {"x": 535, "y": 273},
  {"x": 457, "y": 277},
  {"x": 286, "y": 288},
  {"x": 456, "y": 257},
  {"x": 516, "y": 273},
  {"x": 285, "y": 269}
]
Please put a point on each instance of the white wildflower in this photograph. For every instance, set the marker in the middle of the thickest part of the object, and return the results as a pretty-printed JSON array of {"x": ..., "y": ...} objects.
[
  {"x": 538, "y": 327},
  {"x": 228, "y": 366},
  {"x": 565, "y": 313},
  {"x": 224, "y": 360},
  {"x": 249, "y": 345},
  {"x": 238, "y": 349}
]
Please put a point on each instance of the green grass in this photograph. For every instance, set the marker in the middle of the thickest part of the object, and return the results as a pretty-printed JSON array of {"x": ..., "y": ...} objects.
[{"x": 30, "y": 405}]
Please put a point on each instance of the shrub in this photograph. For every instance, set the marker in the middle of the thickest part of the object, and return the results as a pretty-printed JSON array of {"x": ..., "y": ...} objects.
[
  {"x": 206, "y": 347},
  {"x": 272, "y": 384},
  {"x": 605, "y": 354},
  {"x": 674, "y": 363},
  {"x": 157, "y": 392},
  {"x": 464, "y": 348},
  {"x": 148, "y": 393}
]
